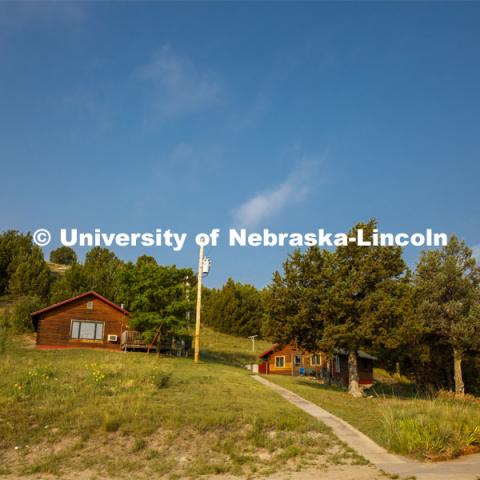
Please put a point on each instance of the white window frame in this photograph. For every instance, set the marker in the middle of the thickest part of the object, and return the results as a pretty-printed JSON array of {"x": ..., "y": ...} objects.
[
  {"x": 337, "y": 364},
  {"x": 80, "y": 321},
  {"x": 300, "y": 363},
  {"x": 283, "y": 360},
  {"x": 315, "y": 364}
]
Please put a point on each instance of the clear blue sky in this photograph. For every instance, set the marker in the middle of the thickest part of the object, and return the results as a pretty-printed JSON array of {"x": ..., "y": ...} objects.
[{"x": 189, "y": 116}]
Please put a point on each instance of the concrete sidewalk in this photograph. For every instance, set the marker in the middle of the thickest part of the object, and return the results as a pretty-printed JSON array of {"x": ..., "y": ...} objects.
[{"x": 464, "y": 468}]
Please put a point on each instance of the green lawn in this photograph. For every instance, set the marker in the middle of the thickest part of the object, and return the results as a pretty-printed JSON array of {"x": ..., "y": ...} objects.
[
  {"x": 438, "y": 428},
  {"x": 124, "y": 413}
]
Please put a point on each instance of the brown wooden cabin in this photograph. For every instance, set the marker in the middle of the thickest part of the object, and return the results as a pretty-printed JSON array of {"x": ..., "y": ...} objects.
[
  {"x": 288, "y": 360},
  {"x": 85, "y": 321}
]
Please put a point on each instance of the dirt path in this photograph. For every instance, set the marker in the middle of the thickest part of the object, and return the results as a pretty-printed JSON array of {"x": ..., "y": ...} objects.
[{"x": 464, "y": 468}]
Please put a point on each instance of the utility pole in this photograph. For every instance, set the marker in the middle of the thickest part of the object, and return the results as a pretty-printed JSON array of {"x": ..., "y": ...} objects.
[
  {"x": 199, "y": 305},
  {"x": 203, "y": 269}
]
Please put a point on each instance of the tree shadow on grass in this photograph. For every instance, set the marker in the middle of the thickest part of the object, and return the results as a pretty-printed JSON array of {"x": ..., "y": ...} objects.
[
  {"x": 333, "y": 387},
  {"x": 390, "y": 390},
  {"x": 396, "y": 390},
  {"x": 231, "y": 359}
]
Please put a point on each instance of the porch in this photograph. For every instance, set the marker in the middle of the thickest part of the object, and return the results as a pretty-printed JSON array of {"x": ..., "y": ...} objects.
[{"x": 179, "y": 346}]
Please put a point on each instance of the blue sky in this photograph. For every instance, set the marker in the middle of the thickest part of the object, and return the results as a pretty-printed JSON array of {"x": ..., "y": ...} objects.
[{"x": 288, "y": 116}]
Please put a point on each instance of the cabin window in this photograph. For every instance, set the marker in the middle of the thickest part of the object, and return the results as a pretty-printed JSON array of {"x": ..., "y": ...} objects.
[
  {"x": 89, "y": 305},
  {"x": 337, "y": 363},
  {"x": 87, "y": 330},
  {"x": 279, "y": 362},
  {"x": 315, "y": 360},
  {"x": 297, "y": 360}
]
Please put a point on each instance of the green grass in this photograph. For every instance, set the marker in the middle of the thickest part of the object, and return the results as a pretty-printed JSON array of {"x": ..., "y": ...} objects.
[
  {"x": 119, "y": 413},
  {"x": 437, "y": 428},
  {"x": 218, "y": 347}
]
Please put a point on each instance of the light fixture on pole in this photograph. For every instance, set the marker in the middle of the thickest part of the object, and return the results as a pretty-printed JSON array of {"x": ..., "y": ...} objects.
[{"x": 252, "y": 338}]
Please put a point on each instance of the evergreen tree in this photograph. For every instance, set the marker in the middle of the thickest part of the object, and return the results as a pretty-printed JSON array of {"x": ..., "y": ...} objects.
[
  {"x": 348, "y": 299},
  {"x": 448, "y": 299},
  {"x": 359, "y": 276},
  {"x": 32, "y": 276},
  {"x": 295, "y": 300},
  {"x": 236, "y": 309},
  {"x": 14, "y": 246},
  {"x": 72, "y": 283},
  {"x": 63, "y": 255},
  {"x": 100, "y": 269}
]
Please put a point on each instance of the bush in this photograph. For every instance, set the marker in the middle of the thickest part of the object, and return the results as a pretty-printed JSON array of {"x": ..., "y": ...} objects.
[
  {"x": 162, "y": 380},
  {"x": 20, "y": 318},
  {"x": 63, "y": 255},
  {"x": 111, "y": 424}
]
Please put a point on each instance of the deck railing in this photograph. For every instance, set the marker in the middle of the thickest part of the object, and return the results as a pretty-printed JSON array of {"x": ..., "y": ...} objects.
[
  {"x": 132, "y": 338},
  {"x": 179, "y": 346}
]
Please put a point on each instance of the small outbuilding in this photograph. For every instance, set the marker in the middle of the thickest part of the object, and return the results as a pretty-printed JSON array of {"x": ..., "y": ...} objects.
[
  {"x": 289, "y": 360},
  {"x": 85, "y": 321}
]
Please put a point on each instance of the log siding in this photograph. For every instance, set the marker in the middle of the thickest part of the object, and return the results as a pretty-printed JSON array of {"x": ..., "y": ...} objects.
[{"x": 54, "y": 324}]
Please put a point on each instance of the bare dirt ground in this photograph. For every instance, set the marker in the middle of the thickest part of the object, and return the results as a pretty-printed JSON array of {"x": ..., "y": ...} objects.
[
  {"x": 321, "y": 471},
  {"x": 335, "y": 464}
]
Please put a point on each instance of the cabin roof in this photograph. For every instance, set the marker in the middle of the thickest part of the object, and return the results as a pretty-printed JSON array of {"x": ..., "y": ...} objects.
[
  {"x": 269, "y": 351},
  {"x": 361, "y": 354},
  {"x": 82, "y": 295}
]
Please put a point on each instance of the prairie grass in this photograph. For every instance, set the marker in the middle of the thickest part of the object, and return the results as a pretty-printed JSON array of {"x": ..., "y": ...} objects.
[
  {"x": 219, "y": 347},
  {"x": 433, "y": 429},
  {"x": 436, "y": 428},
  {"x": 123, "y": 412}
]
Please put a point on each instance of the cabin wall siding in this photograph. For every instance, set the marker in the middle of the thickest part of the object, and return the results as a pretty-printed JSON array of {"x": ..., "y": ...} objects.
[{"x": 54, "y": 325}]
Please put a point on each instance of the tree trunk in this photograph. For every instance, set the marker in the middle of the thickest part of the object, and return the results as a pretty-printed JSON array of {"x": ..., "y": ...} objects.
[
  {"x": 397, "y": 369},
  {"x": 158, "y": 344},
  {"x": 329, "y": 369},
  {"x": 457, "y": 369},
  {"x": 353, "y": 380}
]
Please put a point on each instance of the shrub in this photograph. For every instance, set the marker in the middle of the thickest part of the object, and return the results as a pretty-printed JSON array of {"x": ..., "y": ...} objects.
[
  {"x": 162, "y": 380},
  {"x": 111, "y": 424},
  {"x": 20, "y": 318},
  {"x": 63, "y": 255}
]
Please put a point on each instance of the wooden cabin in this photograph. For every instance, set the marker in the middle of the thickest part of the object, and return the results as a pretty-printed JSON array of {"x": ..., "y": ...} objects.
[
  {"x": 288, "y": 360},
  {"x": 85, "y": 321}
]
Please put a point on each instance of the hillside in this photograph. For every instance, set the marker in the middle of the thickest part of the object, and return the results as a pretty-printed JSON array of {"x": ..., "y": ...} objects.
[
  {"x": 118, "y": 415},
  {"x": 58, "y": 268}
]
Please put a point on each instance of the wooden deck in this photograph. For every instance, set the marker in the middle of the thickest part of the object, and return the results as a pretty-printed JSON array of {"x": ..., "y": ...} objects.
[{"x": 132, "y": 340}]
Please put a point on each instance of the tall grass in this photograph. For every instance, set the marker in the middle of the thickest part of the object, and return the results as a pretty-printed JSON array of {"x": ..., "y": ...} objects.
[
  {"x": 3, "y": 337},
  {"x": 4, "y": 329},
  {"x": 432, "y": 429}
]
